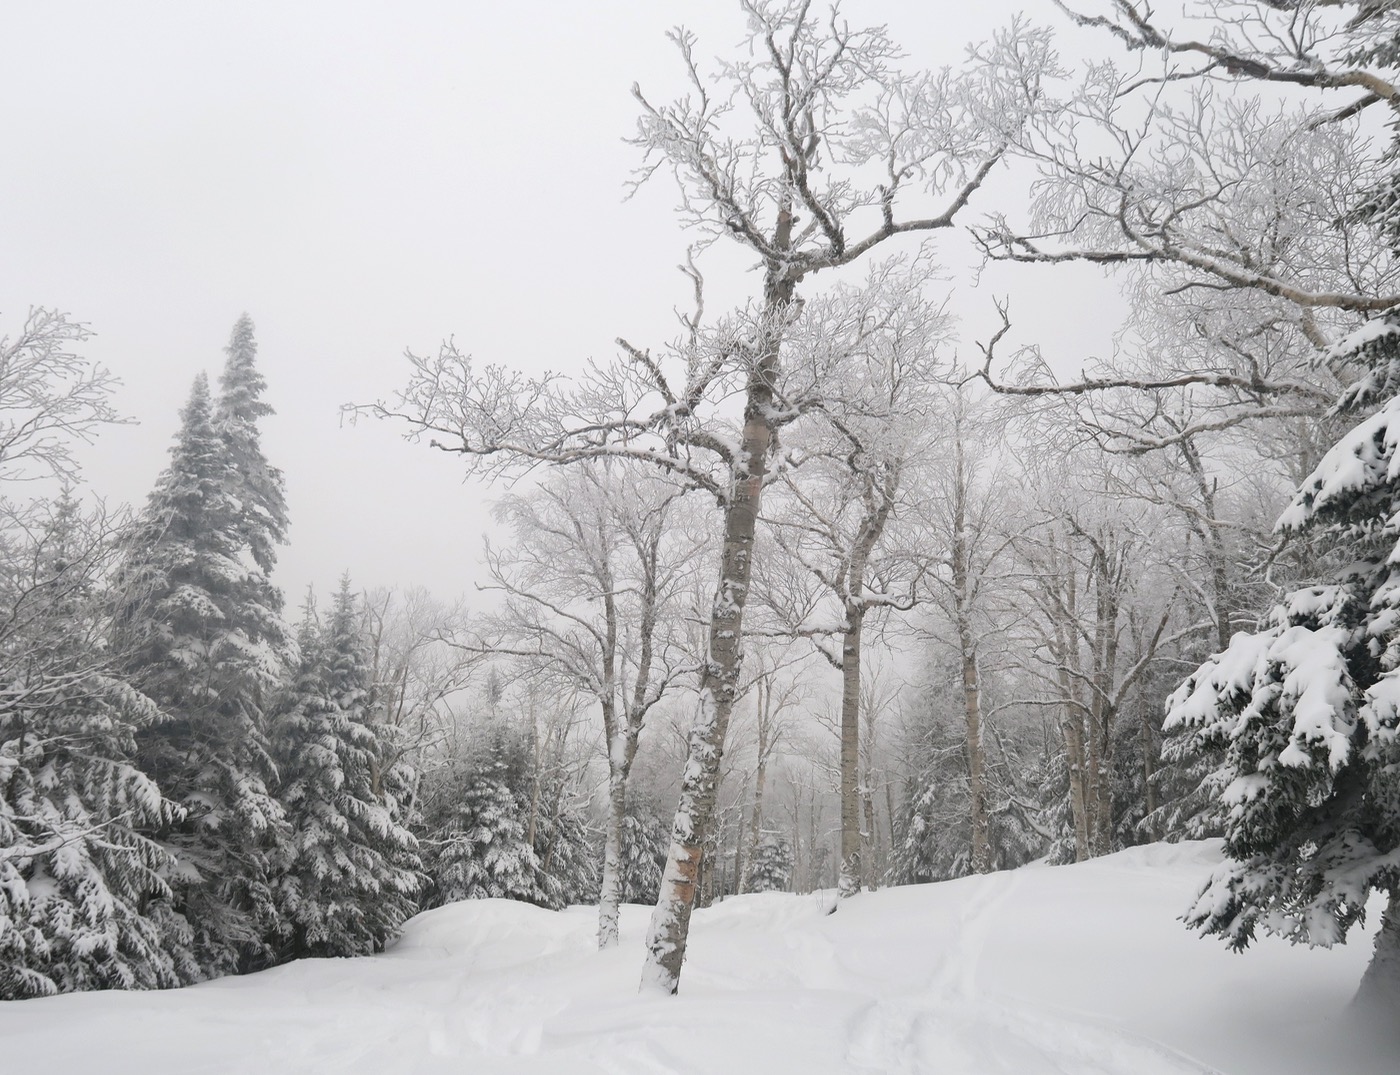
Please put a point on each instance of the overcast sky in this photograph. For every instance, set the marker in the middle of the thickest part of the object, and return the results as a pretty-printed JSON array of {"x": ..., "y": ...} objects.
[{"x": 360, "y": 178}]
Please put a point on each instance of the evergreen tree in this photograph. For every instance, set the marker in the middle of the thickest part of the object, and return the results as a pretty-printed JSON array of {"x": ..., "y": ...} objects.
[
  {"x": 479, "y": 846},
  {"x": 645, "y": 838},
  {"x": 83, "y": 899},
  {"x": 200, "y": 628},
  {"x": 1306, "y": 709},
  {"x": 566, "y": 849},
  {"x": 933, "y": 828},
  {"x": 354, "y": 874},
  {"x": 262, "y": 515},
  {"x": 772, "y": 866}
]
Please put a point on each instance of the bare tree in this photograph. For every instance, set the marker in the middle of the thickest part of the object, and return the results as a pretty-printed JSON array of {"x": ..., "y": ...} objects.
[
  {"x": 970, "y": 511},
  {"x": 806, "y": 153},
  {"x": 591, "y": 589},
  {"x": 776, "y": 688},
  {"x": 50, "y": 397},
  {"x": 840, "y": 502},
  {"x": 414, "y": 671}
]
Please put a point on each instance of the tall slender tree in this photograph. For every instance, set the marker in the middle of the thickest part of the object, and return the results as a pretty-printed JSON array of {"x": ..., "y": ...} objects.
[{"x": 200, "y": 629}]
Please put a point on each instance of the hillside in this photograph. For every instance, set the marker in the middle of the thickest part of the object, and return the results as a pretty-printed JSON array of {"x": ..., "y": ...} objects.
[{"x": 1067, "y": 970}]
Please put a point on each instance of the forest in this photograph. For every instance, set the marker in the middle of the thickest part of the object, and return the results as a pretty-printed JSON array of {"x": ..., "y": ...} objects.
[{"x": 824, "y": 591}]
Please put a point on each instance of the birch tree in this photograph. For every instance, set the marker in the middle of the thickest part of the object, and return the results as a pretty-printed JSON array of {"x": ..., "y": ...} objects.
[
  {"x": 841, "y": 502},
  {"x": 970, "y": 516},
  {"x": 809, "y": 152},
  {"x": 591, "y": 585}
]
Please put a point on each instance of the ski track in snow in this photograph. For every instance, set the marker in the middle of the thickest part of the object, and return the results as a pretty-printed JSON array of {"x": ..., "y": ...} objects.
[{"x": 951, "y": 1029}]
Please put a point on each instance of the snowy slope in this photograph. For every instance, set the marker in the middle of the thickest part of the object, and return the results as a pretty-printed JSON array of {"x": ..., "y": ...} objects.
[{"x": 1076, "y": 970}]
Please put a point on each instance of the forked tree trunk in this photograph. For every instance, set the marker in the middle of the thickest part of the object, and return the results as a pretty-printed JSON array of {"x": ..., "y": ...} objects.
[{"x": 719, "y": 678}]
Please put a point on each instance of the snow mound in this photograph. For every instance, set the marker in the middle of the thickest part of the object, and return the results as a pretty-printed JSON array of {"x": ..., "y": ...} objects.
[
  {"x": 494, "y": 933},
  {"x": 1076, "y": 970}
]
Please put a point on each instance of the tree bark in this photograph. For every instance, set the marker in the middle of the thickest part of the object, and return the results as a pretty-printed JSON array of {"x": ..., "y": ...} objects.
[
  {"x": 719, "y": 679},
  {"x": 1378, "y": 996},
  {"x": 972, "y": 692},
  {"x": 610, "y": 889},
  {"x": 851, "y": 872}
]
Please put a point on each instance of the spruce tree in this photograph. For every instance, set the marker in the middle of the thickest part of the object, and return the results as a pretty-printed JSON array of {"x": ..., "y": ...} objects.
[
  {"x": 201, "y": 631},
  {"x": 1306, "y": 709},
  {"x": 772, "y": 866},
  {"x": 262, "y": 508},
  {"x": 355, "y": 873},
  {"x": 645, "y": 839},
  {"x": 479, "y": 845},
  {"x": 83, "y": 899}
]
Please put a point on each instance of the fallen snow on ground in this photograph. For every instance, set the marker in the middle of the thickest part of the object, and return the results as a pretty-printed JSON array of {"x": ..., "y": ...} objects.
[{"x": 1076, "y": 970}]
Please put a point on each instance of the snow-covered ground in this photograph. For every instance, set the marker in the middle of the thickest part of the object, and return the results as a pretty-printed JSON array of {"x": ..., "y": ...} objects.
[{"x": 1067, "y": 970}]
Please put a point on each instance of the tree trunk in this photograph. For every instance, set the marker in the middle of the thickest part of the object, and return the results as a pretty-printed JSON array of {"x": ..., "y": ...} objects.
[
  {"x": 976, "y": 757},
  {"x": 851, "y": 871},
  {"x": 1378, "y": 996},
  {"x": 967, "y": 647},
  {"x": 1150, "y": 750},
  {"x": 719, "y": 678},
  {"x": 610, "y": 891},
  {"x": 873, "y": 854},
  {"x": 756, "y": 822}
]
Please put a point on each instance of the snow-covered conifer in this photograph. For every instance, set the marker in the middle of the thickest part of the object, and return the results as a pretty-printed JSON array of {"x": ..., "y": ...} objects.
[
  {"x": 83, "y": 899},
  {"x": 566, "y": 848},
  {"x": 772, "y": 866},
  {"x": 200, "y": 630},
  {"x": 1306, "y": 709},
  {"x": 645, "y": 836},
  {"x": 479, "y": 846},
  {"x": 354, "y": 873},
  {"x": 258, "y": 485}
]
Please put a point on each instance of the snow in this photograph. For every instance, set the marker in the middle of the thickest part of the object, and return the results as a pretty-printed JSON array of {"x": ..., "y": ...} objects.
[
  {"x": 1076, "y": 970},
  {"x": 1364, "y": 458}
]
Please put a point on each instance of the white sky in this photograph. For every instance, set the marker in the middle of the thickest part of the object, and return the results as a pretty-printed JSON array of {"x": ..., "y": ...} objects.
[{"x": 362, "y": 177}]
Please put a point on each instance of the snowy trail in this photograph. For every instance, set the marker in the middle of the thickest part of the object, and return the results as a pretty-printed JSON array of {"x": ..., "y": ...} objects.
[
  {"x": 1067, "y": 971},
  {"x": 951, "y": 1028}
]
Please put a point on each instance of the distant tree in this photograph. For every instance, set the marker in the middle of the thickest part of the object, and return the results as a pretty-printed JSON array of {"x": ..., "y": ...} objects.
[
  {"x": 50, "y": 397},
  {"x": 354, "y": 874},
  {"x": 416, "y": 672},
  {"x": 477, "y": 842},
  {"x": 591, "y": 582},
  {"x": 772, "y": 866},
  {"x": 935, "y": 837},
  {"x": 839, "y": 513},
  {"x": 262, "y": 508}
]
